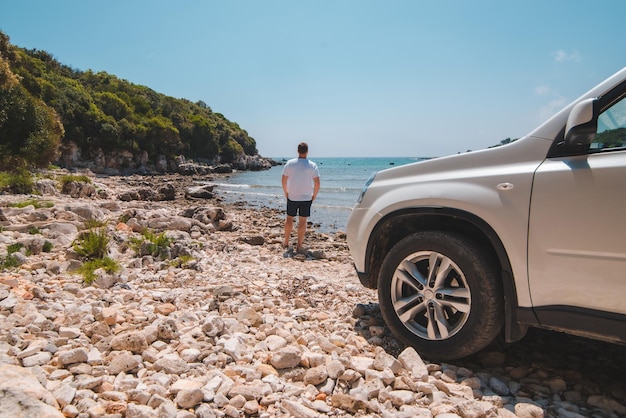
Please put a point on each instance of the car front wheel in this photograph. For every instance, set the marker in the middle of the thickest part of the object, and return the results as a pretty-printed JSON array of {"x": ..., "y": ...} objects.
[{"x": 439, "y": 293}]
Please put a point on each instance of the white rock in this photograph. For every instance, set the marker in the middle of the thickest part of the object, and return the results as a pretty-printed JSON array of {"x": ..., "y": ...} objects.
[
  {"x": 413, "y": 362},
  {"x": 76, "y": 355},
  {"x": 188, "y": 398},
  {"x": 275, "y": 342},
  {"x": 361, "y": 364},
  {"x": 286, "y": 358},
  {"x": 296, "y": 409},
  {"x": 69, "y": 332},
  {"x": 23, "y": 394},
  {"x": 34, "y": 347},
  {"x": 38, "y": 359}
]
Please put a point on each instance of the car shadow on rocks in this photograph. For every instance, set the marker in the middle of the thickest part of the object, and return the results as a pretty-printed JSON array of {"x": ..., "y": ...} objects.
[
  {"x": 553, "y": 369},
  {"x": 557, "y": 370}
]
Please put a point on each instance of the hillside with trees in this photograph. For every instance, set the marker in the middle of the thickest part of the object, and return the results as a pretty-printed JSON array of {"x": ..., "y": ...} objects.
[{"x": 51, "y": 113}]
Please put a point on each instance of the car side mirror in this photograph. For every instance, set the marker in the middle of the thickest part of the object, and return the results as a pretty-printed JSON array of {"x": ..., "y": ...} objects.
[{"x": 582, "y": 123}]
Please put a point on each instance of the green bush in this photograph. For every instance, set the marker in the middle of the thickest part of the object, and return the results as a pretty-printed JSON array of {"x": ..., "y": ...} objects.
[
  {"x": 161, "y": 241},
  {"x": 4, "y": 180},
  {"x": 92, "y": 244},
  {"x": 182, "y": 261},
  {"x": 15, "y": 247},
  {"x": 157, "y": 243},
  {"x": 10, "y": 261},
  {"x": 47, "y": 246},
  {"x": 18, "y": 182},
  {"x": 87, "y": 270}
]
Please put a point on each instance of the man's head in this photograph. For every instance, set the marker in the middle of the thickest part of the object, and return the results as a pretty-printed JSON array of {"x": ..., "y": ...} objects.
[{"x": 303, "y": 148}]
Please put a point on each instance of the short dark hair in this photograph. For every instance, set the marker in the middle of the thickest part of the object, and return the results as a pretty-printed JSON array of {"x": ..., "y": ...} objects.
[{"x": 303, "y": 148}]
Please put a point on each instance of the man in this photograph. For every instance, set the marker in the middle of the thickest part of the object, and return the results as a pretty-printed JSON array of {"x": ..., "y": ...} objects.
[{"x": 301, "y": 183}]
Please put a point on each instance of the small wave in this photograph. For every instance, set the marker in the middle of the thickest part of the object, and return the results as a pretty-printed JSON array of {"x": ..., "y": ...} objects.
[
  {"x": 251, "y": 193},
  {"x": 341, "y": 189},
  {"x": 233, "y": 186},
  {"x": 348, "y": 208}
]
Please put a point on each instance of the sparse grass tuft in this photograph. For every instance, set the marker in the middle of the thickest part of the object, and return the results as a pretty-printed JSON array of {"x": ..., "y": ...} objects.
[
  {"x": 78, "y": 178},
  {"x": 15, "y": 247},
  {"x": 92, "y": 244},
  {"x": 10, "y": 261},
  {"x": 47, "y": 246},
  {"x": 156, "y": 243},
  {"x": 36, "y": 203},
  {"x": 87, "y": 270},
  {"x": 93, "y": 223},
  {"x": 182, "y": 261},
  {"x": 19, "y": 182}
]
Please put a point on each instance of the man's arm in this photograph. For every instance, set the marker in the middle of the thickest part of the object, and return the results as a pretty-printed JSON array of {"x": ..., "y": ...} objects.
[
  {"x": 285, "y": 186},
  {"x": 316, "y": 186}
]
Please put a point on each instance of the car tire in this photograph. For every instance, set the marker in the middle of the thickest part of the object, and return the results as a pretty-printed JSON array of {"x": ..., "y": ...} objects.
[{"x": 450, "y": 314}]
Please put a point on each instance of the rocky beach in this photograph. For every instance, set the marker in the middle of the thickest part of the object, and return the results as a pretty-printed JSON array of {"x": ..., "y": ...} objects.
[{"x": 218, "y": 320}]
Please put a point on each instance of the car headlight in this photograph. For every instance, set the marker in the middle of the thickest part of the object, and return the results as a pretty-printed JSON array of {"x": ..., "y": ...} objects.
[{"x": 367, "y": 183}]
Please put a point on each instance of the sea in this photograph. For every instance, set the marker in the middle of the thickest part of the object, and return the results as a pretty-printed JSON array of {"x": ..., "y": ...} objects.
[{"x": 342, "y": 180}]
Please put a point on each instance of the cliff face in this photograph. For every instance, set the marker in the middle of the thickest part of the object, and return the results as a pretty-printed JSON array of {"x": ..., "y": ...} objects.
[{"x": 125, "y": 162}]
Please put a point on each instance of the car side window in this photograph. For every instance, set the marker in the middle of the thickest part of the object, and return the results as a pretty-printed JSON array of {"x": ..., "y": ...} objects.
[{"x": 611, "y": 131}]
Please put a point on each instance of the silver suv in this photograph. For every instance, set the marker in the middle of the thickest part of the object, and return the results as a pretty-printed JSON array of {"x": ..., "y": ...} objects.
[{"x": 532, "y": 233}]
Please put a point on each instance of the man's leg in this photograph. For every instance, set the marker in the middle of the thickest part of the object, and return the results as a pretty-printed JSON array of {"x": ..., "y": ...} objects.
[
  {"x": 288, "y": 228},
  {"x": 301, "y": 231}
]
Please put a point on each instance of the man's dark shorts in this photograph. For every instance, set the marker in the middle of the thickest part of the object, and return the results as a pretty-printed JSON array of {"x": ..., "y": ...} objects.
[{"x": 302, "y": 207}]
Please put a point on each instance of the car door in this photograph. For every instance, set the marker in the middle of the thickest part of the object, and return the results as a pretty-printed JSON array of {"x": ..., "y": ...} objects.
[{"x": 577, "y": 234}]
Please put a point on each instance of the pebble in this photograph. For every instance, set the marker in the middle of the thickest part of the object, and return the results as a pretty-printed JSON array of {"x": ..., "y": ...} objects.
[{"x": 238, "y": 328}]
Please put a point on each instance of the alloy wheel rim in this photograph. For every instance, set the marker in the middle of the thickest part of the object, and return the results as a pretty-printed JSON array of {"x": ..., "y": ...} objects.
[{"x": 430, "y": 295}]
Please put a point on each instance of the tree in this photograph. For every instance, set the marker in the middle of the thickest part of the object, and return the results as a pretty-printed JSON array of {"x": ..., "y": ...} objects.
[
  {"x": 230, "y": 150},
  {"x": 30, "y": 131},
  {"x": 200, "y": 135},
  {"x": 164, "y": 137},
  {"x": 112, "y": 105},
  {"x": 7, "y": 78}
]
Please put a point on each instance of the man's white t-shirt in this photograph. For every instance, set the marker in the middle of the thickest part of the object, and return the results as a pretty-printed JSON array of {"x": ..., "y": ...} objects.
[{"x": 300, "y": 173}]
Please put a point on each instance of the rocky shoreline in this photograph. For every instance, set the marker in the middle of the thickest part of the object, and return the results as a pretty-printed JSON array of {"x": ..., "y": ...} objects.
[{"x": 225, "y": 323}]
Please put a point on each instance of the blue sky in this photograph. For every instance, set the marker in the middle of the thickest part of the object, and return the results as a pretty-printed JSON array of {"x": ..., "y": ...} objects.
[{"x": 350, "y": 77}]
